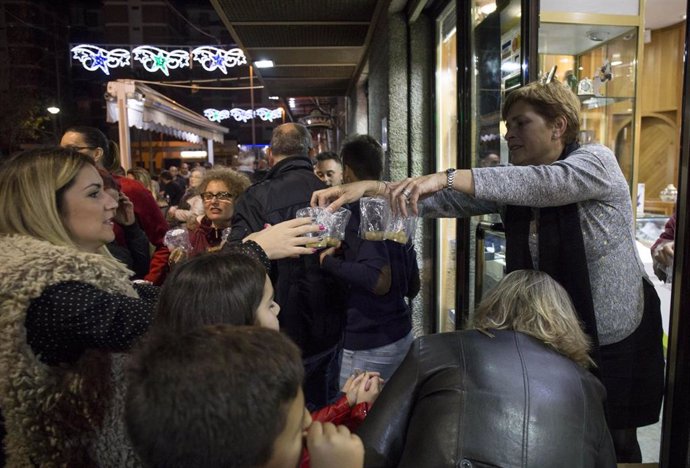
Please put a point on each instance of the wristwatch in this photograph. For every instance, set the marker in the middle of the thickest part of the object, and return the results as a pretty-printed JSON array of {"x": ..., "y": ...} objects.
[{"x": 450, "y": 174}]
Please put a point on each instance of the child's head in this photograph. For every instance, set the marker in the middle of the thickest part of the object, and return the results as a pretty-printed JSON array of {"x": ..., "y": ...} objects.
[
  {"x": 214, "y": 288},
  {"x": 219, "y": 396}
]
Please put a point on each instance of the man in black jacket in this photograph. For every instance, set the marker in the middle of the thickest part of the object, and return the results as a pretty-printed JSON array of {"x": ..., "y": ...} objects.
[{"x": 312, "y": 302}]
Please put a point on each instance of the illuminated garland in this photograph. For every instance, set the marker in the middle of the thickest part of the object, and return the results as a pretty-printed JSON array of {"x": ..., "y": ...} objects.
[
  {"x": 155, "y": 59},
  {"x": 95, "y": 58},
  {"x": 213, "y": 58},
  {"x": 242, "y": 115}
]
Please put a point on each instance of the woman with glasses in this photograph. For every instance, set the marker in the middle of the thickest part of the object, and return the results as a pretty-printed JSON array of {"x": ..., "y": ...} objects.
[{"x": 218, "y": 190}]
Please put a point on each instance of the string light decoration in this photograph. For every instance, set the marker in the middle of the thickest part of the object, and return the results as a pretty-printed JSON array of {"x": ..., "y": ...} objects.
[
  {"x": 155, "y": 59},
  {"x": 215, "y": 115},
  {"x": 268, "y": 114},
  {"x": 242, "y": 115},
  {"x": 213, "y": 58},
  {"x": 95, "y": 58}
]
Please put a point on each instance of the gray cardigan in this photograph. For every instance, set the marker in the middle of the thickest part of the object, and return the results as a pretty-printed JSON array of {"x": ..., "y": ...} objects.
[{"x": 590, "y": 177}]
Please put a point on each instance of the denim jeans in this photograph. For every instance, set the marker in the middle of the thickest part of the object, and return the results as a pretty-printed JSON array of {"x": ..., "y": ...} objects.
[
  {"x": 321, "y": 373},
  {"x": 384, "y": 359}
]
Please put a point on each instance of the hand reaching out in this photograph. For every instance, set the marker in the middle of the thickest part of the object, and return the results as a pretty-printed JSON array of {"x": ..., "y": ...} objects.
[
  {"x": 334, "y": 197},
  {"x": 330, "y": 445},
  {"x": 286, "y": 239},
  {"x": 406, "y": 193}
]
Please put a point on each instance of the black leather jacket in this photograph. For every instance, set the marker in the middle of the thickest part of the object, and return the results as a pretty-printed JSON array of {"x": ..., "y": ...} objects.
[
  {"x": 465, "y": 399},
  {"x": 312, "y": 301}
]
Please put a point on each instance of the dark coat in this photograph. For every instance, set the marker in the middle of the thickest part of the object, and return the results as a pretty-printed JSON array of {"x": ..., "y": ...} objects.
[
  {"x": 312, "y": 301},
  {"x": 465, "y": 399}
]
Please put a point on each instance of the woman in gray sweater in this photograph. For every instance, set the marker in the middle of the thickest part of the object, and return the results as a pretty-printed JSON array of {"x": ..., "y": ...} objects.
[{"x": 567, "y": 211}]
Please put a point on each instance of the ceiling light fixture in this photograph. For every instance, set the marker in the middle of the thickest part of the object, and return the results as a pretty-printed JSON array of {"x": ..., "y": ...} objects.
[
  {"x": 597, "y": 36},
  {"x": 263, "y": 64}
]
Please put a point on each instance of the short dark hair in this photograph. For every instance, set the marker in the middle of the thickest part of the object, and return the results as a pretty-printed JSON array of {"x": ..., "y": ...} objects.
[
  {"x": 291, "y": 139},
  {"x": 215, "y": 397},
  {"x": 95, "y": 138},
  {"x": 165, "y": 175},
  {"x": 212, "y": 288},
  {"x": 364, "y": 156},
  {"x": 327, "y": 155}
]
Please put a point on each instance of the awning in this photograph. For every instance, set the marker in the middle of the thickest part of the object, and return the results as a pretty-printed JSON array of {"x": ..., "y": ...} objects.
[{"x": 147, "y": 109}]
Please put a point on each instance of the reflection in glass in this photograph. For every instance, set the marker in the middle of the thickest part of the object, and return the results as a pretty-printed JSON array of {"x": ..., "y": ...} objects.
[{"x": 598, "y": 63}]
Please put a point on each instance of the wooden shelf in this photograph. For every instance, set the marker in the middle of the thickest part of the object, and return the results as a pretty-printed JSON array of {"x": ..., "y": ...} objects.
[{"x": 654, "y": 205}]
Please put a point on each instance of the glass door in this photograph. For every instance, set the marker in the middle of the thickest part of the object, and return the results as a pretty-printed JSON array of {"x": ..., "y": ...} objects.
[
  {"x": 502, "y": 40},
  {"x": 446, "y": 157}
]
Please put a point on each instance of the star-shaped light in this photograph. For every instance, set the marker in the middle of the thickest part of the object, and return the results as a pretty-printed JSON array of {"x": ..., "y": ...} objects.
[
  {"x": 100, "y": 61},
  {"x": 161, "y": 63}
]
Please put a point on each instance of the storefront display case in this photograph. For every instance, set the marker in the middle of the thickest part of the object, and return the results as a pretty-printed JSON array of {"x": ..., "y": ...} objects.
[{"x": 599, "y": 63}]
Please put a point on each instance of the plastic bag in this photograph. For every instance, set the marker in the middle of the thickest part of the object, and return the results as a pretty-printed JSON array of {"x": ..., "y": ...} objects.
[
  {"x": 379, "y": 223},
  {"x": 334, "y": 224},
  {"x": 177, "y": 239}
]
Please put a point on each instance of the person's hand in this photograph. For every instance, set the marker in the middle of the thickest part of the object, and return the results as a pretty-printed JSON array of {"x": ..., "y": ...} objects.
[
  {"x": 125, "y": 211},
  {"x": 663, "y": 254},
  {"x": 325, "y": 253},
  {"x": 286, "y": 239},
  {"x": 351, "y": 386},
  {"x": 330, "y": 445},
  {"x": 369, "y": 388},
  {"x": 334, "y": 197},
  {"x": 662, "y": 257},
  {"x": 176, "y": 256},
  {"x": 405, "y": 194}
]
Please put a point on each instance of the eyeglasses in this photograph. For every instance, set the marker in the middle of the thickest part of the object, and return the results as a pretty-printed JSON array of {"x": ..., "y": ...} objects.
[{"x": 220, "y": 196}]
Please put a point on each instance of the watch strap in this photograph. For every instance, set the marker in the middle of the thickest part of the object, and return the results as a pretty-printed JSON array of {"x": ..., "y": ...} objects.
[{"x": 450, "y": 175}]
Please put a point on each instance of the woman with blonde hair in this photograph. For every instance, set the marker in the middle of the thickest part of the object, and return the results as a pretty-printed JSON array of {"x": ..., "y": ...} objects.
[
  {"x": 93, "y": 142},
  {"x": 511, "y": 391},
  {"x": 66, "y": 304}
]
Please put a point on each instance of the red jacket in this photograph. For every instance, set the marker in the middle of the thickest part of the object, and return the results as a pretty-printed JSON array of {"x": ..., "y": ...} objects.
[
  {"x": 669, "y": 233},
  {"x": 204, "y": 237},
  {"x": 338, "y": 413},
  {"x": 153, "y": 223}
]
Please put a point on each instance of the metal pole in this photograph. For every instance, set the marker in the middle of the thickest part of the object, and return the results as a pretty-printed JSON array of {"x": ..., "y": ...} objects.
[
  {"x": 121, "y": 90},
  {"x": 251, "y": 97},
  {"x": 209, "y": 151}
]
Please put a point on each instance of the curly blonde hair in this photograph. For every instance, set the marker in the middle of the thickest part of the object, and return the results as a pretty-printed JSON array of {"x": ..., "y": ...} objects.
[
  {"x": 237, "y": 183},
  {"x": 531, "y": 302}
]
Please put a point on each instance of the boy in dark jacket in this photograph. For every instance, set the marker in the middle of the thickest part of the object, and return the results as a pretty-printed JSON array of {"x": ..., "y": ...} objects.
[{"x": 381, "y": 275}]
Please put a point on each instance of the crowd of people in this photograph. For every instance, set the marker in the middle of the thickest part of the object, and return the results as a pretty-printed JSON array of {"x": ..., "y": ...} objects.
[{"x": 245, "y": 346}]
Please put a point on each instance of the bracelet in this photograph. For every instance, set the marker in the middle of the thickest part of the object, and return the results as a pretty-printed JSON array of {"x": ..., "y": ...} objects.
[
  {"x": 378, "y": 187},
  {"x": 254, "y": 250}
]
